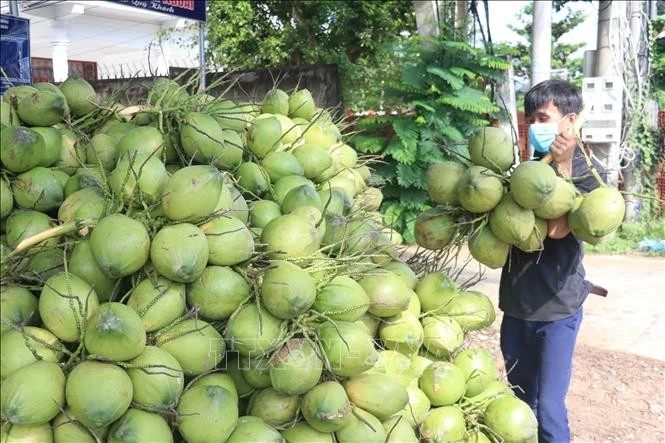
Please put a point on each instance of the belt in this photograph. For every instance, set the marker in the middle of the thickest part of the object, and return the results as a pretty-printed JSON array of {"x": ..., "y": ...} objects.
[{"x": 598, "y": 290}]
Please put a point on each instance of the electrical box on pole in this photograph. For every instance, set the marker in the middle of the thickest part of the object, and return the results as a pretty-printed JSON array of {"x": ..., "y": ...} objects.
[{"x": 603, "y": 99}]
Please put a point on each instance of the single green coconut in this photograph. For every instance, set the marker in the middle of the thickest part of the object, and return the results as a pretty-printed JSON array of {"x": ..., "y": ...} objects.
[
  {"x": 487, "y": 249},
  {"x": 493, "y": 148},
  {"x": 532, "y": 184},
  {"x": 510, "y": 222},
  {"x": 42, "y": 108},
  {"x": 81, "y": 96},
  {"x": 561, "y": 201},
  {"x": 441, "y": 181},
  {"x": 435, "y": 229},
  {"x": 597, "y": 215},
  {"x": 535, "y": 240},
  {"x": 479, "y": 190}
]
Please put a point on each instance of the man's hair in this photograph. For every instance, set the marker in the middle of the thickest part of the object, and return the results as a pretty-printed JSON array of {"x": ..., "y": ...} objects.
[{"x": 565, "y": 96}]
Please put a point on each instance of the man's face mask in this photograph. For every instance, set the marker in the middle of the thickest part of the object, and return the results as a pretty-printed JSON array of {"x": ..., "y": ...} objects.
[{"x": 542, "y": 135}]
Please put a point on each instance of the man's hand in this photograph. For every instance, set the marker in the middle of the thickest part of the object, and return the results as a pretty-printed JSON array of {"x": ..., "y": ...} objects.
[{"x": 562, "y": 152}]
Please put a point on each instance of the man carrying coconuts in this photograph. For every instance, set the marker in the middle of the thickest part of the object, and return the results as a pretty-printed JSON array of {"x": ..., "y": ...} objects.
[{"x": 541, "y": 293}]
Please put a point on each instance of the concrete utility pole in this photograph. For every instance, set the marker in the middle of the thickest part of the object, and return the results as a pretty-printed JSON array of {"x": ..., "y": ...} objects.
[
  {"x": 605, "y": 65},
  {"x": 541, "y": 47},
  {"x": 427, "y": 17}
]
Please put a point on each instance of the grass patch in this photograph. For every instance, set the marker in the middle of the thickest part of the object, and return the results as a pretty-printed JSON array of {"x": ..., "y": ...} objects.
[{"x": 627, "y": 238}]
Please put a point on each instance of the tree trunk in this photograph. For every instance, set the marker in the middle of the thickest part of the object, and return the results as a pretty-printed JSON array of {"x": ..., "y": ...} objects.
[{"x": 427, "y": 19}]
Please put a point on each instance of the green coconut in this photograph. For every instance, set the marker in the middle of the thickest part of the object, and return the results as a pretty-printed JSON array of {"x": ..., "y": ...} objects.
[
  {"x": 561, "y": 201},
  {"x": 289, "y": 236},
  {"x": 510, "y": 222},
  {"x": 314, "y": 159},
  {"x": 19, "y": 348},
  {"x": 21, "y": 148},
  {"x": 87, "y": 204},
  {"x": 302, "y": 432},
  {"x": 417, "y": 408},
  {"x": 347, "y": 347},
  {"x": 230, "y": 242},
  {"x": 274, "y": 408},
  {"x": 279, "y": 164},
  {"x": 264, "y": 135},
  {"x": 38, "y": 189},
  {"x": 479, "y": 190},
  {"x": 264, "y": 211},
  {"x": 120, "y": 245},
  {"x": 402, "y": 333},
  {"x": 228, "y": 115},
  {"x": 114, "y": 332},
  {"x": 487, "y": 249},
  {"x": 139, "y": 178},
  {"x": 443, "y": 383},
  {"x": 362, "y": 426},
  {"x": 157, "y": 379},
  {"x": 301, "y": 104},
  {"x": 84, "y": 177},
  {"x": 295, "y": 368},
  {"x": 167, "y": 93},
  {"x": 276, "y": 101},
  {"x": 254, "y": 429},
  {"x": 435, "y": 229},
  {"x": 252, "y": 178},
  {"x": 65, "y": 301},
  {"x": 6, "y": 198},
  {"x": 398, "y": 430},
  {"x": 81, "y": 96},
  {"x": 286, "y": 184},
  {"x": 478, "y": 367},
  {"x": 435, "y": 290},
  {"x": 196, "y": 345},
  {"x": 218, "y": 292},
  {"x": 72, "y": 152},
  {"x": 203, "y": 140},
  {"x": 146, "y": 140},
  {"x": 511, "y": 419},
  {"x": 23, "y": 224},
  {"x": 42, "y": 108},
  {"x": 443, "y": 335},
  {"x": 256, "y": 371},
  {"x": 473, "y": 310},
  {"x": 252, "y": 332},
  {"x": 387, "y": 293},
  {"x": 98, "y": 393},
  {"x": 370, "y": 199},
  {"x": 192, "y": 192},
  {"x": 18, "y": 307},
  {"x": 16, "y": 433},
  {"x": 441, "y": 181},
  {"x": 215, "y": 379},
  {"x": 303, "y": 195},
  {"x": 342, "y": 299},
  {"x": 67, "y": 428},
  {"x": 32, "y": 395},
  {"x": 52, "y": 144},
  {"x": 179, "y": 252},
  {"x": 326, "y": 407},
  {"x": 379, "y": 394},
  {"x": 232, "y": 368},
  {"x": 599, "y": 214},
  {"x": 536, "y": 238},
  {"x": 205, "y": 411},
  {"x": 532, "y": 184},
  {"x": 287, "y": 290},
  {"x": 14, "y": 94},
  {"x": 138, "y": 425},
  {"x": 82, "y": 264},
  {"x": 493, "y": 148},
  {"x": 443, "y": 424}
]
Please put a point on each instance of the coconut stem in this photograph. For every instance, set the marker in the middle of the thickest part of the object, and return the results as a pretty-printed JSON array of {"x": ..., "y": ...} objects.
[{"x": 56, "y": 231}]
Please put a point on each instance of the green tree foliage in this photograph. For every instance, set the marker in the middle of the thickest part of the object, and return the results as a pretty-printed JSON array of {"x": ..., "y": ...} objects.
[
  {"x": 246, "y": 34},
  {"x": 562, "y": 53},
  {"x": 442, "y": 97}
]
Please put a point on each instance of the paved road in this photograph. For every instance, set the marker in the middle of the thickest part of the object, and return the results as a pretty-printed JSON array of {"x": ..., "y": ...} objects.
[{"x": 631, "y": 318}]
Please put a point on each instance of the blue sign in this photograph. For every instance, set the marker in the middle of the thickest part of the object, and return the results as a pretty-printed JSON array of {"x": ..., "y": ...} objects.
[
  {"x": 14, "y": 52},
  {"x": 191, "y": 9}
]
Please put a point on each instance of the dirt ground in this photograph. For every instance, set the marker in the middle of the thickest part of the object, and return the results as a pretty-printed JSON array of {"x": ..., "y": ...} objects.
[{"x": 617, "y": 392}]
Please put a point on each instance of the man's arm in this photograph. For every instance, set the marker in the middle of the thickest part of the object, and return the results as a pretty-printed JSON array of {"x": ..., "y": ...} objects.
[{"x": 558, "y": 228}]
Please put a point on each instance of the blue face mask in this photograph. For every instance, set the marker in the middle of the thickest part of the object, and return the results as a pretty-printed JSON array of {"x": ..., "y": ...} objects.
[{"x": 542, "y": 135}]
